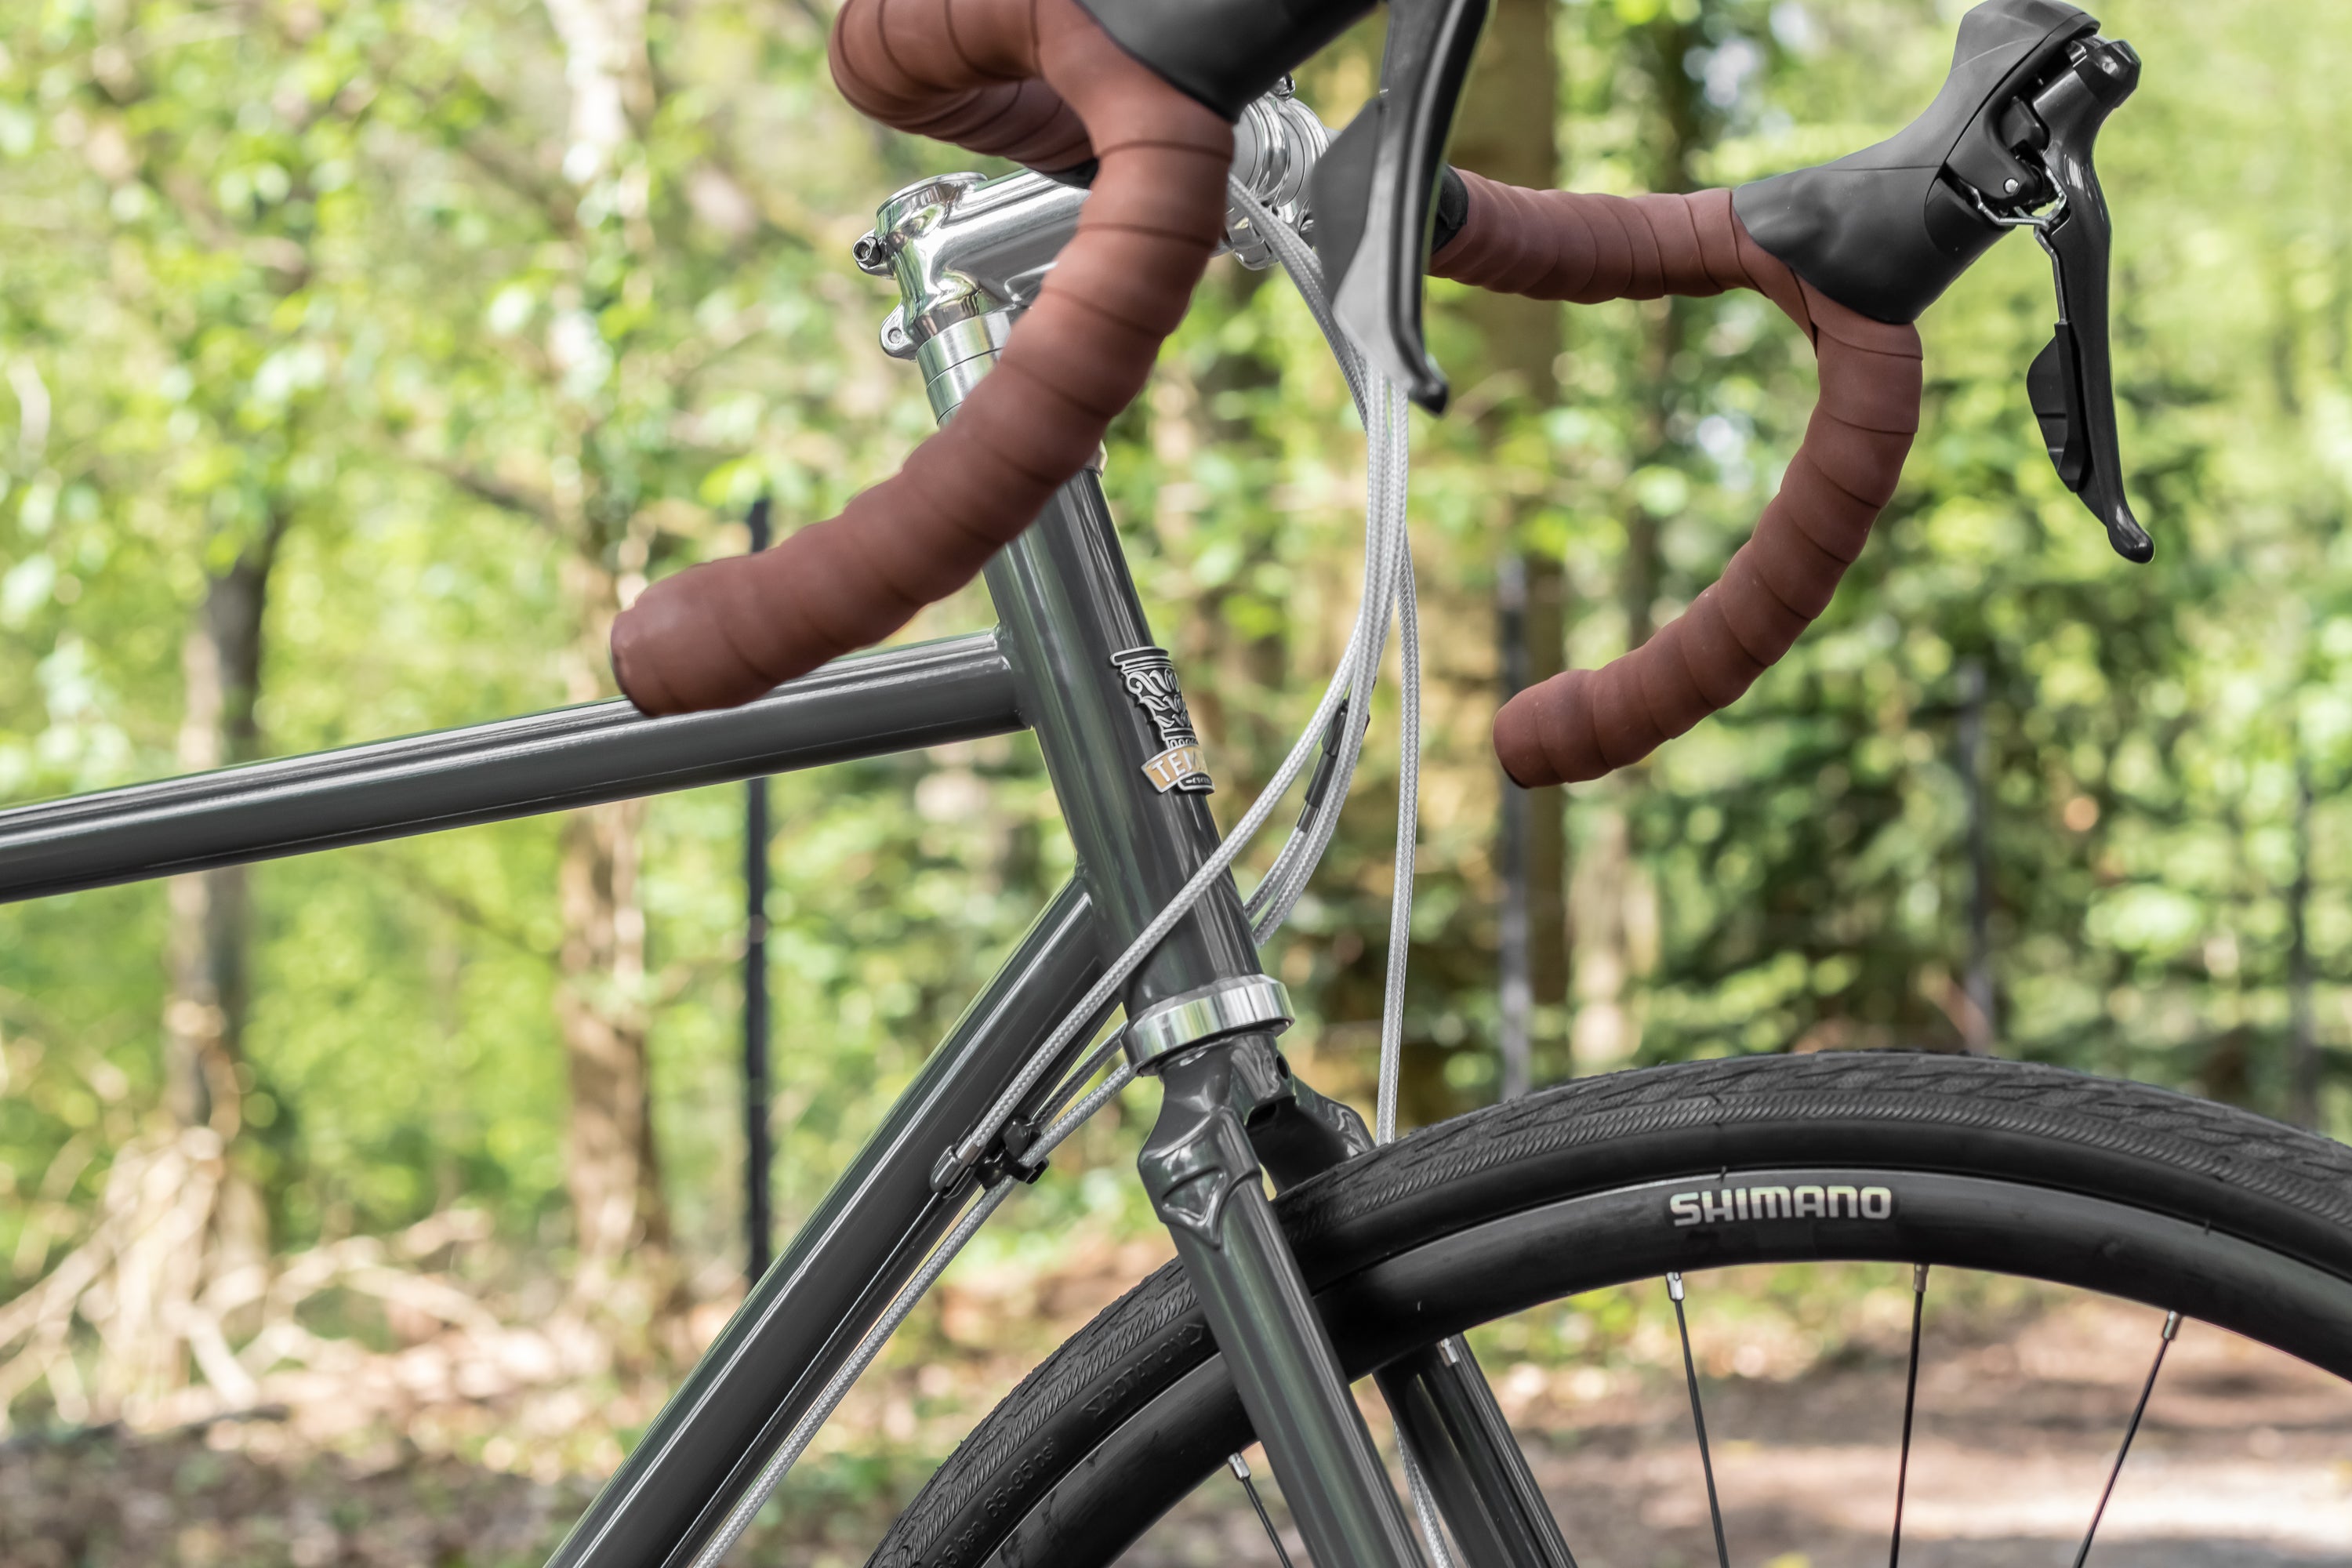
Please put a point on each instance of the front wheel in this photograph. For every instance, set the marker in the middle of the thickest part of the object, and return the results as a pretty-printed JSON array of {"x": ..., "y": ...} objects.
[{"x": 2114, "y": 1188}]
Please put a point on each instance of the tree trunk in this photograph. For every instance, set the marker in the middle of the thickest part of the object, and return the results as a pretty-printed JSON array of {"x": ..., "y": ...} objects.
[
  {"x": 1615, "y": 915},
  {"x": 202, "y": 1219},
  {"x": 1661, "y": 48},
  {"x": 613, "y": 1170},
  {"x": 2303, "y": 1034},
  {"x": 1979, "y": 1017},
  {"x": 1508, "y": 131},
  {"x": 611, "y": 1166},
  {"x": 207, "y": 947},
  {"x": 1244, "y": 742}
]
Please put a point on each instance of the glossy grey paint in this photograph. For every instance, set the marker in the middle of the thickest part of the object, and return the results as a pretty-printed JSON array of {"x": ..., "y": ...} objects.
[
  {"x": 1203, "y": 1178},
  {"x": 1066, "y": 604},
  {"x": 1474, "y": 1466},
  {"x": 867, "y": 705},
  {"x": 866, "y": 1238}
]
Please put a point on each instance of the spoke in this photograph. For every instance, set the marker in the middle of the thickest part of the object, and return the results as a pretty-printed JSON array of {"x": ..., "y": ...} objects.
[
  {"x": 2171, "y": 1327},
  {"x": 1241, "y": 1470},
  {"x": 1910, "y": 1404},
  {"x": 1698, "y": 1422}
]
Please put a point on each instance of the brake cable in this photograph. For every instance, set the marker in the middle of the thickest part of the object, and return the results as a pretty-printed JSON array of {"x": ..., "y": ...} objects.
[{"x": 1388, "y": 591}]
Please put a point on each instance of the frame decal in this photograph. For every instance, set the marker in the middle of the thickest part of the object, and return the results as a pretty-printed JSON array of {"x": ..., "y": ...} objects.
[{"x": 1151, "y": 680}]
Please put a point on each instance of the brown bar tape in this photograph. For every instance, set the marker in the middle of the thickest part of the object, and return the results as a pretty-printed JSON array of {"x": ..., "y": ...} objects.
[
  {"x": 1036, "y": 81},
  {"x": 1555, "y": 245}
]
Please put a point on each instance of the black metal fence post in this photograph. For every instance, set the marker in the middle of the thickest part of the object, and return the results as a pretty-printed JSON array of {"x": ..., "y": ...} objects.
[
  {"x": 1513, "y": 959},
  {"x": 758, "y": 1152}
]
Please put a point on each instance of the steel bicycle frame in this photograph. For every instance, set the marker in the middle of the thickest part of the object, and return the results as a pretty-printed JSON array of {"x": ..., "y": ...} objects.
[{"x": 1071, "y": 660}]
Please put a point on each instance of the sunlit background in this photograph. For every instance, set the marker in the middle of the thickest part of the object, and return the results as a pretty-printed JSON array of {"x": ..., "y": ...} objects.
[{"x": 363, "y": 358}]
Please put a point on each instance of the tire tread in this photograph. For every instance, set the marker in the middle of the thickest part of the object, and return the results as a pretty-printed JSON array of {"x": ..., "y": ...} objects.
[{"x": 2247, "y": 1160}]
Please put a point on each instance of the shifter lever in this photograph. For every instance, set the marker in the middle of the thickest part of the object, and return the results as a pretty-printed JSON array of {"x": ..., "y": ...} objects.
[{"x": 2071, "y": 386}]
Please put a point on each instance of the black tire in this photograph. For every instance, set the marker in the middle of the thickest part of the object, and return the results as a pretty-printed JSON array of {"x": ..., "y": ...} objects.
[{"x": 2116, "y": 1187}]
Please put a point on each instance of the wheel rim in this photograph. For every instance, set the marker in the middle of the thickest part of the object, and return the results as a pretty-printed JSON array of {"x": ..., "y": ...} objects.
[{"x": 1564, "y": 1247}]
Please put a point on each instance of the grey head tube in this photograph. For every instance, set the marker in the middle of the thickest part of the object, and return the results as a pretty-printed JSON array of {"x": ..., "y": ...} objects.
[{"x": 1131, "y": 778}]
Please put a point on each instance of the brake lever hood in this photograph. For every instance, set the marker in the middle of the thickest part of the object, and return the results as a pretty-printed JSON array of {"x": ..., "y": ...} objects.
[
  {"x": 1885, "y": 230},
  {"x": 2007, "y": 144}
]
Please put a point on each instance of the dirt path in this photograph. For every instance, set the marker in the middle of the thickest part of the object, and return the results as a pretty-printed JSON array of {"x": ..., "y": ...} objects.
[{"x": 2244, "y": 1462}]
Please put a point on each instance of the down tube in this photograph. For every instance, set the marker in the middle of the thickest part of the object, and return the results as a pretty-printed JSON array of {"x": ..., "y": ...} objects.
[{"x": 863, "y": 1241}]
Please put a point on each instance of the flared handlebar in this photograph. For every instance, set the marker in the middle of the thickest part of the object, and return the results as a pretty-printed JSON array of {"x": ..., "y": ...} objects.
[
  {"x": 1136, "y": 97},
  {"x": 1040, "y": 83},
  {"x": 1554, "y": 244}
]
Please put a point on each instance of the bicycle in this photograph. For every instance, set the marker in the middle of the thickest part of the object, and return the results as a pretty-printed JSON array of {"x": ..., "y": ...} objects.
[{"x": 1372, "y": 1259}]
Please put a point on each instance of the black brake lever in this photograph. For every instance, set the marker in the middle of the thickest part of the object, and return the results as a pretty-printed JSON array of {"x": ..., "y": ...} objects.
[
  {"x": 2007, "y": 144},
  {"x": 2070, "y": 382},
  {"x": 1372, "y": 191}
]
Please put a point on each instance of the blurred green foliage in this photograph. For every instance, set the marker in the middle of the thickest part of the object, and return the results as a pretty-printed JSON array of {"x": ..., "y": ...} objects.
[{"x": 345, "y": 264}]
